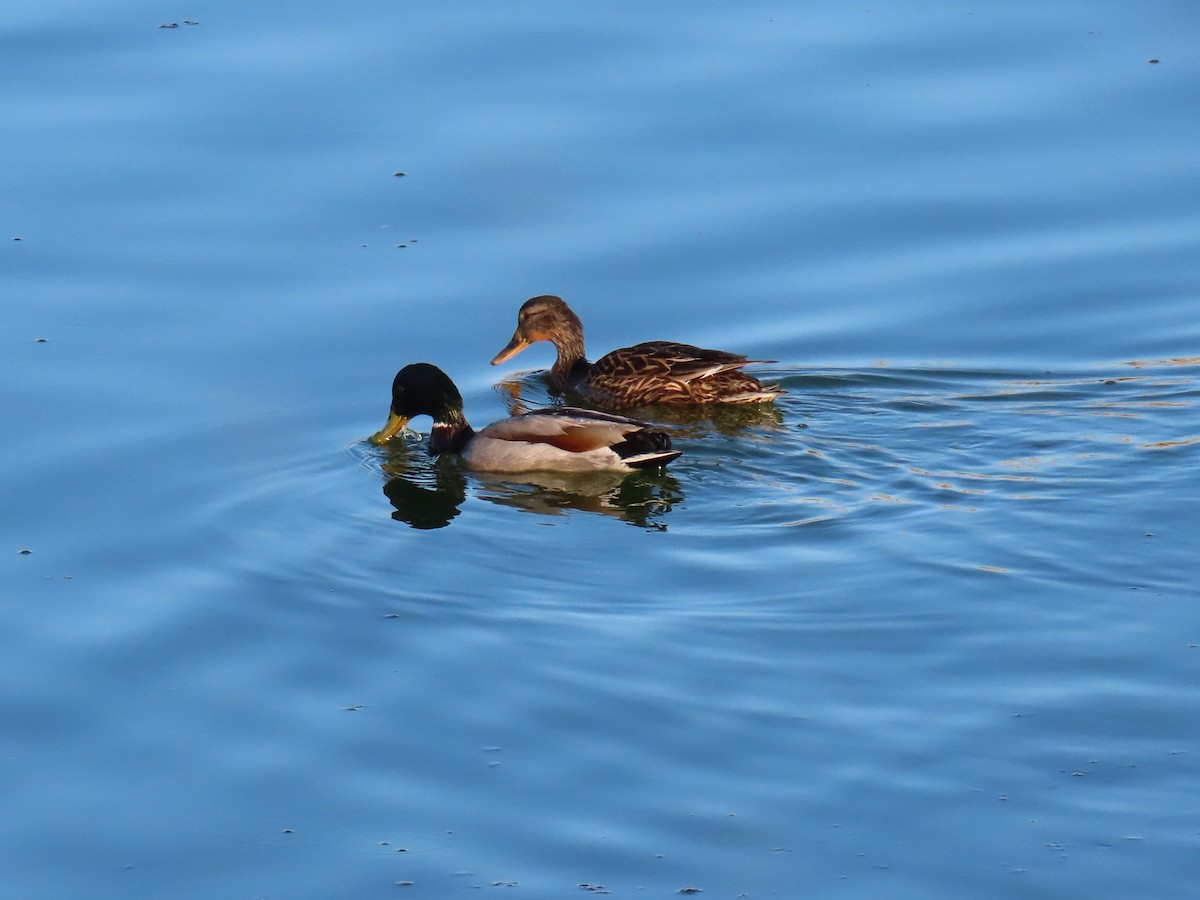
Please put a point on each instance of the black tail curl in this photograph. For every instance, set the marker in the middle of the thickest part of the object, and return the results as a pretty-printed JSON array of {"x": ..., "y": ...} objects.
[{"x": 646, "y": 448}]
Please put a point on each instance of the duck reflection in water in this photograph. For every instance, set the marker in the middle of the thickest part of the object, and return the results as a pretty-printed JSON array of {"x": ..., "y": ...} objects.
[
  {"x": 428, "y": 492},
  {"x": 530, "y": 390},
  {"x": 642, "y": 499},
  {"x": 425, "y": 498}
]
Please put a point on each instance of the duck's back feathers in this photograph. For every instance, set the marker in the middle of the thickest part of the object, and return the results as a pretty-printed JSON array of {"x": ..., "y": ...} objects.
[
  {"x": 670, "y": 373},
  {"x": 682, "y": 361},
  {"x": 568, "y": 439}
]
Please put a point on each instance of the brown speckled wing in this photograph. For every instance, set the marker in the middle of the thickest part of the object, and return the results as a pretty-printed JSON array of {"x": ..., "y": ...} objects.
[{"x": 669, "y": 373}]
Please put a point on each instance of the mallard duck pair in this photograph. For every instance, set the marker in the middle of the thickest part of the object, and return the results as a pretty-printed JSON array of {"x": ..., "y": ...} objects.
[{"x": 567, "y": 438}]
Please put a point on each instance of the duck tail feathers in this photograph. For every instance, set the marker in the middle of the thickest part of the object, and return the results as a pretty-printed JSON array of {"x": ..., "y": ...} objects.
[
  {"x": 765, "y": 394},
  {"x": 646, "y": 448},
  {"x": 652, "y": 460}
]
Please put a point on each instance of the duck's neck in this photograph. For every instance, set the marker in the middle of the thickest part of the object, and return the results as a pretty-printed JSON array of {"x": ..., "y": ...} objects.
[
  {"x": 450, "y": 434},
  {"x": 571, "y": 366}
]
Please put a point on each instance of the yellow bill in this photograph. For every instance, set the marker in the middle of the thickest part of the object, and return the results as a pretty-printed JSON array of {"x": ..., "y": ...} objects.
[{"x": 394, "y": 425}]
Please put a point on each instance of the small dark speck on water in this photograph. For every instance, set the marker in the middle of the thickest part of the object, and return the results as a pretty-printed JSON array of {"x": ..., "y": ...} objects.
[
  {"x": 402, "y": 246},
  {"x": 40, "y": 341},
  {"x": 170, "y": 25},
  {"x": 400, "y": 174},
  {"x": 1153, "y": 62},
  {"x": 404, "y": 884},
  {"x": 392, "y": 616},
  {"x": 16, "y": 239},
  {"x": 24, "y": 552},
  {"x": 289, "y": 831},
  {"x": 690, "y": 890}
]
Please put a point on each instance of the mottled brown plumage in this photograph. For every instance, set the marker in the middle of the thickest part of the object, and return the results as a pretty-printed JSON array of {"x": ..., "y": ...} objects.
[{"x": 654, "y": 372}]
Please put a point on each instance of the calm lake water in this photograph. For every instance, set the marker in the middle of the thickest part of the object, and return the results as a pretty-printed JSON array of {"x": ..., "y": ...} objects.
[{"x": 930, "y": 630}]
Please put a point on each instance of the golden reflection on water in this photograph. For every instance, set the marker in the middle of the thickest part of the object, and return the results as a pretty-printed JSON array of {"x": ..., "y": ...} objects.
[
  {"x": 519, "y": 397},
  {"x": 1167, "y": 445},
  {"x": 1155, "y": 363}
]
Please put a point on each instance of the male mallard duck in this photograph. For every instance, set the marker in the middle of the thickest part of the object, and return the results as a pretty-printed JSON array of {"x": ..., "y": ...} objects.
[
  {"x": 652, "y": 372},
  {"x": 559, "y": 439}
]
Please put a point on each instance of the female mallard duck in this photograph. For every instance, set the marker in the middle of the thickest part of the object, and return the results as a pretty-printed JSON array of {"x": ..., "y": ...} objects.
[
  {"x": 649, "y": 373},
  {"x": 560, "y": 439}
]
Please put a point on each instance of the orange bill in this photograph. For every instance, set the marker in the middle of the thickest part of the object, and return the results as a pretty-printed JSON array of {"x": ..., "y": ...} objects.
[{"x": 515, "y": 346}]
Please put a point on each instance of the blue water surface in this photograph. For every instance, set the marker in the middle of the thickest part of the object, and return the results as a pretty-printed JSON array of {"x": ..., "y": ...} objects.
[{"x": 928, "y": 628}]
